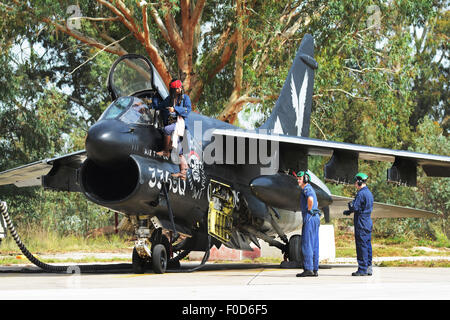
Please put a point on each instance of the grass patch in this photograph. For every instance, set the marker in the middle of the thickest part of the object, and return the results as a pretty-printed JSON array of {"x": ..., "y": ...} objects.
[
  {"x": 42, "y": 241},
  {"x": 263, "y": 260},
  {"x": 342, "y": 252},
  {"x": 391, "y": 247},
  {"x": 418, "y": 264}
]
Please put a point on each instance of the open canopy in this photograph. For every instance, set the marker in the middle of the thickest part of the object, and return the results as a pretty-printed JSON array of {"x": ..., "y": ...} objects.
[{"x": 133, "y": 73}]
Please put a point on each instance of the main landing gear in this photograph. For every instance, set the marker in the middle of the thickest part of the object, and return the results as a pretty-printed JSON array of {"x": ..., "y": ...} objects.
[
  {"x": 291, "y": 249},
  {"x": 294, "y": 258}
]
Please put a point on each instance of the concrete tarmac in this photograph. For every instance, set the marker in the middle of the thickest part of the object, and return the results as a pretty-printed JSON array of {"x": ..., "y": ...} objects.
[{"x": 231, "y": 281}]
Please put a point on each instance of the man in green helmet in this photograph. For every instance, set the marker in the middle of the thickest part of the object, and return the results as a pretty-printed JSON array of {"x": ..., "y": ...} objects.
[
  {"x": 310, "y": 226},
  {"x": 362, "y": 206}
]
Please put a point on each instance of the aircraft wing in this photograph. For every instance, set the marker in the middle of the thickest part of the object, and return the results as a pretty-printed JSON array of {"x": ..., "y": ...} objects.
[
  {"x": 343, "y": 164},
  {"x": 380, "y": 210},
  {"x": 57, "y": 173}
]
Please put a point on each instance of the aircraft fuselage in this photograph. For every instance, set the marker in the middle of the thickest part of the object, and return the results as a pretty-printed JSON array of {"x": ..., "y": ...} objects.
[{"x": 124, "y": 173}]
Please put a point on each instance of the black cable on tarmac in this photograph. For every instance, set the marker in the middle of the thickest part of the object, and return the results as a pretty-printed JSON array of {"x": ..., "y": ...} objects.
[
  {"x": 44, "y": 266},
  {"x": 74, "y": 268},
  {"x": 201, "y": 265}
]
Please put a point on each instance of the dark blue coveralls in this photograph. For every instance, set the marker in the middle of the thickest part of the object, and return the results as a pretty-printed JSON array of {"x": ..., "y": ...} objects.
[
  {"x": 310, "y": 229},
  {"x": 363, "y": 206},
  {"x": 183, "y": 109}
]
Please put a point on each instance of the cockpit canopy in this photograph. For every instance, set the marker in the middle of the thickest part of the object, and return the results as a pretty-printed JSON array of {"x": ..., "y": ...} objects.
[
  {"x": 135, "y": 75},
  {"x": 130, "y": 110},
  {"x": 133, "y": 83},
  {"x": 131, "y": 76}
]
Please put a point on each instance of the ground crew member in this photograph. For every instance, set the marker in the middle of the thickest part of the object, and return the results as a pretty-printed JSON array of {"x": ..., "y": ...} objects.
[
  {"x": 362, "y": 206},
  {"x": 310, "y": 226}
]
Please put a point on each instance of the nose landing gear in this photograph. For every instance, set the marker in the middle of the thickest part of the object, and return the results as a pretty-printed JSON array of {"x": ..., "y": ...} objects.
[
  {"x": 150, "y": 250},
  {"x": 159, "y": 259},
  {"x": 156, "y": 256}
]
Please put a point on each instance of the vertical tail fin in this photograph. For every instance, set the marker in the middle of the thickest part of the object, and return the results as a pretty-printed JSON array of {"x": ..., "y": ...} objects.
[{"x": 292, "y": 112}]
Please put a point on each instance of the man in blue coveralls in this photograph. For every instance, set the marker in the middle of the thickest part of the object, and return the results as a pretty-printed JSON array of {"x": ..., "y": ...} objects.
[
  {"x": 362, "y": 206},
  {"x": 310, "y": 227}
]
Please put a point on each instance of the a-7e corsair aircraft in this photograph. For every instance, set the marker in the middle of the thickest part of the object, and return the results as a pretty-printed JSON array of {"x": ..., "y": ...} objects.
[{"x": 239, "y": 187}]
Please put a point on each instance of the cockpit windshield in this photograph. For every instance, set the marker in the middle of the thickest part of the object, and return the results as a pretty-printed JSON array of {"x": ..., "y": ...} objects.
[
  {"x": 130, "y": 110},
  {"x": 138, "y": 113}
]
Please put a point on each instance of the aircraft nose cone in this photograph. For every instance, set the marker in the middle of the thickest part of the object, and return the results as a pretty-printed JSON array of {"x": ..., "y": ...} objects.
[{"x": 107, "y": 142}]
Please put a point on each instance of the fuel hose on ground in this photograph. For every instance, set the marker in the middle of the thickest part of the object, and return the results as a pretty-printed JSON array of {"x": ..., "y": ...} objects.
[
  {"x": 37, "y": 262},
  {"x": 73, "y": 269},
  {"x": 201, "y": 265}
]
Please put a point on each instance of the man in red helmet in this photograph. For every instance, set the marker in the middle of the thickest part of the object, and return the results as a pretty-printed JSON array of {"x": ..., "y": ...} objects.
[{"x": 175, "y": 109}]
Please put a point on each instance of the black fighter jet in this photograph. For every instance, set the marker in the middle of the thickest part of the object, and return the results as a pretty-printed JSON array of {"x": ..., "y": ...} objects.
[{"x": 239, "y": 187}]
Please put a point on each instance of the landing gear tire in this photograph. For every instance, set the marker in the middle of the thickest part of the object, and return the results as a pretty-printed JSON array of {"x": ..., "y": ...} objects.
[
  {"x": 295, "y": 248},
  {"x": 139, "y": 264},
  {"x": 294, "y": 253},
  {"x": 159, "y": 259}
]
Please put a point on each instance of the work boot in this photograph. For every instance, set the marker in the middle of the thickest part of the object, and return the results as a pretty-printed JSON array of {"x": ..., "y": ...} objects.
[
  {"x": 359, "y": 274},
  {"x": 306, "y": 273},
  {"x": 166, "y": 151},
  {"x": 183, "y": 169}
]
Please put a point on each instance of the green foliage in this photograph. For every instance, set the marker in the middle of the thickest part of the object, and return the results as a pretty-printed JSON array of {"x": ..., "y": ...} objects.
[
  {"x": 45, "y": 110},
  {"x": 381, "y": 72},
  {"x": 60, "y": 212},
  {"x": 71, "y": 213},
  {"x": 380, "y": 84}
]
